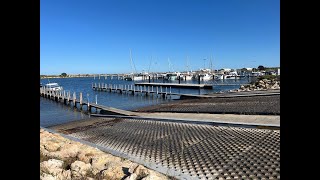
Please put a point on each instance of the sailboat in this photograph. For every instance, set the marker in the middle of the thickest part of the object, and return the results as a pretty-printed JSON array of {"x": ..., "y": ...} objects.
[
  {"x": 133, "y": 76},
  {"x": 188, "y": 75}
]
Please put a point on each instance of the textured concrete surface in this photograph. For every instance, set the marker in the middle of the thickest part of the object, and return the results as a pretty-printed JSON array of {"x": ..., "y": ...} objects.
[
  {"x": 254, "y": 105},
  {"x": 263, "y": 120},
  {"x": 186, "y": 149}
]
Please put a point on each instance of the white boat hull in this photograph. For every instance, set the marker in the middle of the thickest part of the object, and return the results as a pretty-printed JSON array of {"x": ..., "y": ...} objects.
[{"x": 137, "y": 78}]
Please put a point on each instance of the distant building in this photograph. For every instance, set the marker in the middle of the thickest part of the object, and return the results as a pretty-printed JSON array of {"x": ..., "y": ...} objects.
[
  {"x": 205, "y": 70},
  {"x": 278, "y": 73},
  {"x": 226, "y": 69}
]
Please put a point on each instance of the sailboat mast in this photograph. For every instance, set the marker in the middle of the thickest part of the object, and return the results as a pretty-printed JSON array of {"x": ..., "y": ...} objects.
[
  {"x": 187, "y": 63},
  {"x": 211, "y": 64},
  {"x": 169, "y": 64},
  {"x": 132, "y": 63},
  {"x": 150, "y": 65}
]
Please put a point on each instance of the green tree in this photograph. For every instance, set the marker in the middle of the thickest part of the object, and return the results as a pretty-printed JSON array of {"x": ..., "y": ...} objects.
[
  {"x": 261, "y": 68},
  {"x": 63, "y": 75},
  {"x": 244, "y": 70}
]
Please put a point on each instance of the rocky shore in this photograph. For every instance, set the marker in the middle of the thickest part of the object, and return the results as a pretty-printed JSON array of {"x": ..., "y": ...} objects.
[
  {"x": 264, "y": 84},
  {"x": 63, "y": 159}
]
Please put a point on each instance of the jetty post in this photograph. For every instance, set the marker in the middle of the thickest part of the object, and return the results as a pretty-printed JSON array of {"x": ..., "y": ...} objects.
[
  {"x": 58, "y": 96},
  {"x": 157, "y": 91},
  {"x": 74, "y": 99},
  {"x": 68, "y": 97},
  {"x": 80, "y": 99},
  {"x": 134, "y": 89},
  {"x": 165, "y": 96},
  {"x": 64, "y": 97},
  {"x": 88, "y": 103},
  {"x": 141, "y": 90}
]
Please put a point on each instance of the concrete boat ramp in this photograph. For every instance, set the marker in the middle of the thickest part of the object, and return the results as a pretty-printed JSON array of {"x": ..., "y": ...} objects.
[{"x": 183, "y": 148}]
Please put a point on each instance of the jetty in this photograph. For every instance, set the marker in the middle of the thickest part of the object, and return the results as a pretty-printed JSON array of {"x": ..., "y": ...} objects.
[
  {"x": 165, "y": 92},
  {"x": 175, "y": 85},
  {"x": 66, "y": 98}
]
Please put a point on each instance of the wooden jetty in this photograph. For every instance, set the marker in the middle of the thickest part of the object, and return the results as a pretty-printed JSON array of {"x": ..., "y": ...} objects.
[
  {"x": 190, "y": 86},
  {"x": 68, "y": 98},
  {"x": 165, "y": 92},
  {"x": 132, "y": 89}
]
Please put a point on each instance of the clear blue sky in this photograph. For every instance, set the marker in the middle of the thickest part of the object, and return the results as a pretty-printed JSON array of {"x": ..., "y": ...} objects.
[{"x": 94, "y": 36}]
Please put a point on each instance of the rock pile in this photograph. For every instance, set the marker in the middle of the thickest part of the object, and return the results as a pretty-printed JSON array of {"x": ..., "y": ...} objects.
[
  {"x": 263, "y": 84},
  {"x": 61, "y": 158}
]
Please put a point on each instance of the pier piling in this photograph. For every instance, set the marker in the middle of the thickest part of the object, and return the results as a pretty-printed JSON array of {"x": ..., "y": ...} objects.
[
  {"x": 80, "y": 99},
  {"x": 74, "y": 100}
]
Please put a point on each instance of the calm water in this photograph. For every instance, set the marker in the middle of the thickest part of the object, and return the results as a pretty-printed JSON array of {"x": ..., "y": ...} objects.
[{"x": 52, "y": 113}]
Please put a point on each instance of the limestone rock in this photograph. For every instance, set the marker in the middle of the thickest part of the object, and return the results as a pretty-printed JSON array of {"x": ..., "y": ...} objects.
[
  {"x": 64, "y": 175},
  {"x": 99, "y": 163},
  {"x": 114, "y": 172},
  {"x": 85, "y": 156},
  {"x": 52, "y": 166},
  {"x": 79, "y": 169},
  {"x": 51, "y": 146},
  {"x": 133, "y": 167},
  {"x": 154, "y": 176},
  {"x": 132, "y": 177},
  {"x": 45, "y": 176},
  {"x": 141, "y": 171},
  {"x": 67, "y": 151}
]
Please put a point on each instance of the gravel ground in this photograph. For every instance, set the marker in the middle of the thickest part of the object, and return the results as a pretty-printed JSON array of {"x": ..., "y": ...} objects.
[{"x": 256, "y": 105}]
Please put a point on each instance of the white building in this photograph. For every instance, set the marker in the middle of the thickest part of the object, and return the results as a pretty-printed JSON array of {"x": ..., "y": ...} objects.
[{"x": 226, "y": 69}]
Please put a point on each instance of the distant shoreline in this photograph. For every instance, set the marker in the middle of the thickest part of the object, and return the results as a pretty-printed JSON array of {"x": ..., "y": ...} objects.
[{"x": 52, "y": 77}]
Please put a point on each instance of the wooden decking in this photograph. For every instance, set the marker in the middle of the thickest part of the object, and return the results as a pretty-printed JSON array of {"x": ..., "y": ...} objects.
[
  {"x": 66, "y": 98},
  {"x": 190, "y": 86}
]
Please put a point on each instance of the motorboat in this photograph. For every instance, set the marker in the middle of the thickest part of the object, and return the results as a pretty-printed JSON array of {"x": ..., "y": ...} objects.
[
  {"x": 231, "y": 75},
  {"x": 172, "y": 76},
  {"x": 203, "y": 77},
  {"x": 186, "y": 76},
  {"x": 53, "y": 87},
  {"x": 219, "y": 76}
]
